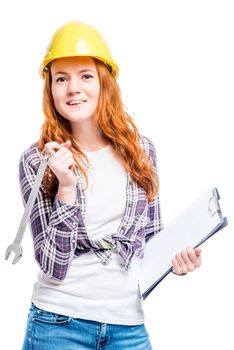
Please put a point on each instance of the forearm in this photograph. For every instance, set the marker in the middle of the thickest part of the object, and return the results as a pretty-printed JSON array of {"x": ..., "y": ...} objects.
[
  {"x": 67, "y": 194},
  {"x": 54, "y": 225},
  {"x": 55, "y": 247}
]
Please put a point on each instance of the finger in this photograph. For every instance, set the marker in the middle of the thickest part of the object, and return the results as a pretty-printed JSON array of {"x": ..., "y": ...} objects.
[
  {"x": 193, "y": 257},
  {"x": 188, "y": 262},
  {"x": 176, "y": 267},
  {"x": 72, "y": 166},
  {"x": 64, "y": 152},
  {"x": 53, "y": 145},
  {"x": 68, "y": 164},
  {"x": 64, "y": 161},
  {"x": 181, "y": 262},
  {"x": 65, "y": 157},
  {"x": 62, "y": 165},
  {"x": 50, "y": 147},
  {"x": 198, "y": 251},
  {"x": 66, "y": 144},
  {"x": 57, "y": 155},
  {"x": 64, "y": 149}
]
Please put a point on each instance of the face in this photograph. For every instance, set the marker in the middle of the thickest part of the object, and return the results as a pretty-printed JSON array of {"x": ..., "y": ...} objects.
[{"x": 75, "y": 87}]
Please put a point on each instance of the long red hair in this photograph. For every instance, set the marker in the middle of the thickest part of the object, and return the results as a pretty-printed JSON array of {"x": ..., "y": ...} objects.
[{"x": 118, "y": 129}]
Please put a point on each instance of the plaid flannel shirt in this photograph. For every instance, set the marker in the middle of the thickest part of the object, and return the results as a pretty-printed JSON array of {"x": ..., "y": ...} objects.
[{"x": 58, "y": 229}]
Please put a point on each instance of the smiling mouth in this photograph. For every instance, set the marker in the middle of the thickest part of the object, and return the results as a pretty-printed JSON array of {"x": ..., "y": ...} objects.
[{"x": 75, "y": 102}]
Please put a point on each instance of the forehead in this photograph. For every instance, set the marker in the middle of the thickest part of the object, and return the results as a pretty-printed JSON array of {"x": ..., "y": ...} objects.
[{"x": 67, "y": 63}]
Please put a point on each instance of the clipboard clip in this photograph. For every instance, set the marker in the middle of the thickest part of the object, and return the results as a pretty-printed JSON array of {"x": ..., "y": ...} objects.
[{"x": 213, "y": 206}]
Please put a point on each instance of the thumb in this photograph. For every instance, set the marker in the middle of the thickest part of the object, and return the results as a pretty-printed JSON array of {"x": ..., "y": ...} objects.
[
  {"x": 198, "y": 251},
  {"x": 66, "y": 144}
]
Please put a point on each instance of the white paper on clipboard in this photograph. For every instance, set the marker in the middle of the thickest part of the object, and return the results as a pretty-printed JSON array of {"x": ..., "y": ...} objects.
[{"x": 192, "y": 227}]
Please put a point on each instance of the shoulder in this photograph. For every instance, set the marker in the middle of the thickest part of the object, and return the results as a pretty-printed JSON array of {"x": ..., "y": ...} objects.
[
  {"x": 31, "y": 156},
  {"x": 148, "y": 146}
]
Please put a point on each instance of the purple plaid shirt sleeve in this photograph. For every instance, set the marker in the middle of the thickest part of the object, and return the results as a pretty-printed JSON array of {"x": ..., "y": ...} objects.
[
  {"x": 154, "y": 209},
  {"x": 53, "y": 226}
]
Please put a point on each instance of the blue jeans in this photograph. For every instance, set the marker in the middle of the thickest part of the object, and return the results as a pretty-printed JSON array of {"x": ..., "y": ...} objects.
[{"x": 50, "y": 331}]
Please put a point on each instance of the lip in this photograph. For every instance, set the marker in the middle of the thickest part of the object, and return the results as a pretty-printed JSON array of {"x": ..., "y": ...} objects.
[
  {"x": 80, "y": 102},
  {"x": 76, "y": 99}
]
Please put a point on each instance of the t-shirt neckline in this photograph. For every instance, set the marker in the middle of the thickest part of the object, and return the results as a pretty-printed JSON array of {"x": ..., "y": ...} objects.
[{"x": 99, "y": 150}]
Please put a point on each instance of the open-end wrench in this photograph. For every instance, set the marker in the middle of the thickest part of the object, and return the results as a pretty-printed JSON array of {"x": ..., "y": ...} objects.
[{"x": 15, "y": 247}]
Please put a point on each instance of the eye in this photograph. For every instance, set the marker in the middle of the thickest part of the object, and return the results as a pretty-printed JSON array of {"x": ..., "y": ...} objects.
[
  {"x": 87, "y": 76},
  {"x": 60, "y": 80}
]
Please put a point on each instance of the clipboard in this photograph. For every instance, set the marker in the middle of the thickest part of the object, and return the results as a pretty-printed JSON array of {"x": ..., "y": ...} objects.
[{"x": 198, "y": 222}]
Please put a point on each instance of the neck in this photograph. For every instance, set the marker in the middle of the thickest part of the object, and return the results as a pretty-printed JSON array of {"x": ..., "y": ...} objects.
[{"x": 87, "y": 135}]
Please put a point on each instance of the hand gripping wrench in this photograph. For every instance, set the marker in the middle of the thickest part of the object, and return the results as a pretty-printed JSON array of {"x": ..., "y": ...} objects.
[{"x": 16, "y": 245}]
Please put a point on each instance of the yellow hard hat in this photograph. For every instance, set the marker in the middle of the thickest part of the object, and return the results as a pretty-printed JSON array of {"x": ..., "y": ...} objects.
[{"x": 79, "y": 39}]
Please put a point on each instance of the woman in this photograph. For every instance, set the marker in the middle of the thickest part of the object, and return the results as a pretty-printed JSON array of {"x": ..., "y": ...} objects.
[{"x": 97, "y": 206}]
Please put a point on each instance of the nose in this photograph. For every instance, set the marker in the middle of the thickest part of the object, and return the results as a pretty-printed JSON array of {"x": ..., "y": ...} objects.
[{"x": 73, "y": 87}]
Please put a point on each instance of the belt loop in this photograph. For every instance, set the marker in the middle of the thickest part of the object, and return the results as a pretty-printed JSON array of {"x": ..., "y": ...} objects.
[{"x": 32, "y": 309}]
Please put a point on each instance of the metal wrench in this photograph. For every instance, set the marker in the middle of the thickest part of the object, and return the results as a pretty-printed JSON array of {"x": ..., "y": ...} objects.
[{"x": 16, "y": 245}]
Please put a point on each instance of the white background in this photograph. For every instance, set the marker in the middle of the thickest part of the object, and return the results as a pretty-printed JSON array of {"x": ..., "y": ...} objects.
[{"x": 176, "y": 63}]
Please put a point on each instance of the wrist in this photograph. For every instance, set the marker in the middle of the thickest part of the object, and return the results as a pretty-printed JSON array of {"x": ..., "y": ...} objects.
[
  {"x": 67, "y": 194},
  {"x": 66, "y": 188}
]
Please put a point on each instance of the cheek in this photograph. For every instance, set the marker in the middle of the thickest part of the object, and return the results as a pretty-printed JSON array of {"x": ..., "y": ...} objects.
[
  {"x": 56, "y": 94},
  {"x": 95, "y": 91}
]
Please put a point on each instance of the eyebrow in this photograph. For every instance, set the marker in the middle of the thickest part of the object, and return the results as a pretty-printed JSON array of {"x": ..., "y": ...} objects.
[{"x": 81, "y": 71}]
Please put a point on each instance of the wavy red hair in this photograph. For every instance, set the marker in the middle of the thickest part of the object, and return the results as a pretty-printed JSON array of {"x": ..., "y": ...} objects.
[{"x": 118, "y": 129}]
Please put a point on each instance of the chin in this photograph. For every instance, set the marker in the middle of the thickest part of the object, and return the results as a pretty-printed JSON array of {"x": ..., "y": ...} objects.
[{"x": 76, "y": 118}]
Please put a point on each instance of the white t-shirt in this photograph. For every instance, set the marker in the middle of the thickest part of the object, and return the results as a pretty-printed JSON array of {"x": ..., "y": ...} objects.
[{"x": 91, "y": 289}]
